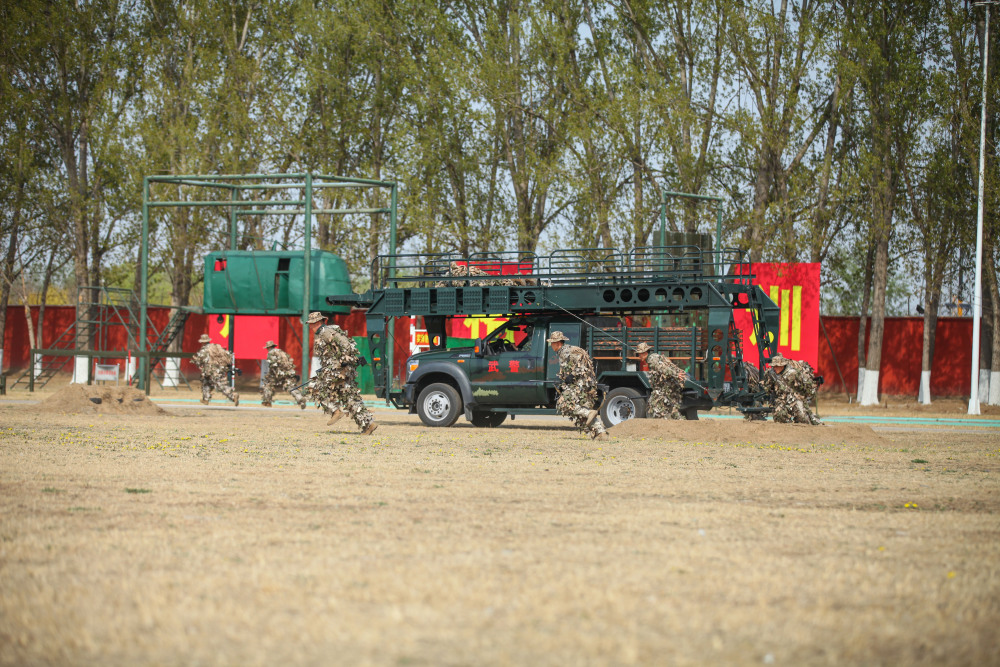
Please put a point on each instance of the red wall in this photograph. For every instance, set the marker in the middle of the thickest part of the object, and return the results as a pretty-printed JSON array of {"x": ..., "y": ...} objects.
[
  {"x": 899, "y": 374},
  {"x": 59, "y": 318},
  {"x": 902, "y": 347}
]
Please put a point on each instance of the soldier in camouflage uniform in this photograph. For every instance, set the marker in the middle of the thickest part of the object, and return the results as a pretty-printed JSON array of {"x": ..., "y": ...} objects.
[
  {"x": 578, "y": 392},
  {"x": 667, "y": 380},
  {"x": 280, "y": 376},
  {"x": 334, "y": 388},
  {"x": 792, "y": 385},
  {"x": 214, "y": 363},
  {"x": 462, "y": 270},
  {"x": 457, "y": 270}
]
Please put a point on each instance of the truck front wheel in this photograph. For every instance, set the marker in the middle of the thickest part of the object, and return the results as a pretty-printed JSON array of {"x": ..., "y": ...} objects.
[
  {"x": 439, "y": 405},
  {"x": 621, "y": 404}
]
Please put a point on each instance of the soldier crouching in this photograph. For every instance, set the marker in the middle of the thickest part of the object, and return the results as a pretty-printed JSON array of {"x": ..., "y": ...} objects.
[
  {"x": 667, "y": 381},
  {"x": 793, "y": 386},
  {"x": 279, "y": 377},
  {"x": 578, "y": 392}
]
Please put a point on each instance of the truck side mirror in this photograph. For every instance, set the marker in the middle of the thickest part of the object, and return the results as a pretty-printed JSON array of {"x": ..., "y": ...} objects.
[{"x": 479, "y": 348}]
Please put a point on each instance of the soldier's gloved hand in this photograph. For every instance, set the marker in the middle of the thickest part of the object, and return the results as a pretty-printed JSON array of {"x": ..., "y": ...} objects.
[
  {"x": 238, "y": 371},
  {"x": 297, "y": 378},
  {"x": 362, "y": 361}
]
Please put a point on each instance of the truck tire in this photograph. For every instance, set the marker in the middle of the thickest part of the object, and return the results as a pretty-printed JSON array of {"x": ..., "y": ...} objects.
[
  {"x": 622, "y": 404},
  {"x": 439, "y": 405},
  {"x": 483, "y": 419}
]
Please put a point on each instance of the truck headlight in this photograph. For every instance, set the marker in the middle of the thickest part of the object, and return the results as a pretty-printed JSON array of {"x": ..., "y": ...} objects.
[{"x": 411, "y": 365}]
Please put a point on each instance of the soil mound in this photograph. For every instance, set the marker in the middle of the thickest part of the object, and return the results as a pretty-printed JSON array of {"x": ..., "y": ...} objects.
[
  {"x": 79, "y": 398},
  {"x": 738, "y": 431}
]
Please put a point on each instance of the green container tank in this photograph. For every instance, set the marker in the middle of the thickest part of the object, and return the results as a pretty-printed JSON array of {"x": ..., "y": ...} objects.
[{"x": 264, "y": 282}]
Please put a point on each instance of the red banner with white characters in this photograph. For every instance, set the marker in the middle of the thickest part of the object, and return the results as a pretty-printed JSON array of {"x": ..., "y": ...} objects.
[{"x": 795, "y": 289}]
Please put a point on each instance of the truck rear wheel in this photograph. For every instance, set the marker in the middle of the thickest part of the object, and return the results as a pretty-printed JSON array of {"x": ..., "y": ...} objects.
[
  {"x": 439, "y": 405},
  {"x": 483, "y": 419},
  {"x": 622, "y": 404}
]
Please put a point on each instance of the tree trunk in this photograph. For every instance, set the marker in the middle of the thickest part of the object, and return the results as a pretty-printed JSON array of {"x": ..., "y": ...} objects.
[
  {"x": 6, "y": 279},
  {"x": 885, "y": 205},
  {"x": 44, "y": 296},
  {"x": 992, "y": 282},
  {"x": 863, "y": 319},
  {"x": 932, "y": 301}
]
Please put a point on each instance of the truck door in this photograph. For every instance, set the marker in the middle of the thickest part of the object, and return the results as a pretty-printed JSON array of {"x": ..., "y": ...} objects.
[{"x": 511, "y": 370}]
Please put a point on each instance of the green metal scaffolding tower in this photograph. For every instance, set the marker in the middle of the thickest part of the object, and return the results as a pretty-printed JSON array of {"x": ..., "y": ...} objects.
[{"x": 237, "y": 186}]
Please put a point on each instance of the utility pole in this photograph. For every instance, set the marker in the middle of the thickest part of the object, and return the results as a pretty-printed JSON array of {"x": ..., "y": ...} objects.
[{"x": 977, "y": 297}]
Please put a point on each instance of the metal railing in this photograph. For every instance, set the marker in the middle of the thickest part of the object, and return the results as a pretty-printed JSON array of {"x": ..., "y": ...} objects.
[{"x": 571, "y": 266}]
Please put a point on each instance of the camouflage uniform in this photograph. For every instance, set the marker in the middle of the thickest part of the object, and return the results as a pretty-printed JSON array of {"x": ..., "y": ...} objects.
[
  {"x": 578, "y": 393},
  {"x": 792, "y": 391},
  {"x": 214, "y": 363},
  {"x": 280, "y": 376},
  {"x": 461, "y": 270},
  {"x": 667, "y": 380},
  {"x": 335, "y": 383}
]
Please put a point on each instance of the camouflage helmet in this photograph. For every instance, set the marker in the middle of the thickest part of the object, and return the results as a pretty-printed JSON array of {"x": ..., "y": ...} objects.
[
  {"x": 205, "y": 338},
  {"x": 556, "y": 337},
  {"x": 269, "y": 344},
  {"x": 643, "y": 347},
  {"x": 315, "y": 317},
  {"x": 778, "y": 360}
]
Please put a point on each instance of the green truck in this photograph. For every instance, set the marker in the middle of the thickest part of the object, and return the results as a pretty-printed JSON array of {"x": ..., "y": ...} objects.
[{"x": 679, "y": 298}]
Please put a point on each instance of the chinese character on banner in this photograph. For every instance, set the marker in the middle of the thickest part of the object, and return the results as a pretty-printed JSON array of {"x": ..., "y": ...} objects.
[
  {"x": 515, "y": 366},
  {"x": 795, "y": 290},
  {"x": 494, "y": 367},
  {"x": 473, "y": 327}
]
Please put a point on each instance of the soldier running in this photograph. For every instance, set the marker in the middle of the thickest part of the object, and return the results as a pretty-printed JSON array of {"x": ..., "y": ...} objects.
[
  {"x": 578, "y": 392},
  {"x": 334, "y": 388},
  {"x": 667, "y": 380},
  {"x": 792, "y": 384},
  {"x": 280, "y": 376},
  {"x": 214, "y": 363}
]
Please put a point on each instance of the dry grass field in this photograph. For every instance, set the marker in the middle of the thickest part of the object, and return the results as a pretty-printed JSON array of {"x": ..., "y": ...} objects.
[{"x": 244, "y": 536}]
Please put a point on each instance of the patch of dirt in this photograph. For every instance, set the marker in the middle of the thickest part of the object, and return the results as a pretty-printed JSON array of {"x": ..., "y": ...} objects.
[
  {"x": 79, "y": 398},
  {"x": 739, "y": 431}
]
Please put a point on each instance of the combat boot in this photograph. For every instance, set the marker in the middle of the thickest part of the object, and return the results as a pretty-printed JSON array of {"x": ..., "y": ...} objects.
[
  {"x": 236, "y": 399},
  {"x": 371, "y": 429},
  {"x": 602, "y": 436},
  {"x": 334, "y": 418}
]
